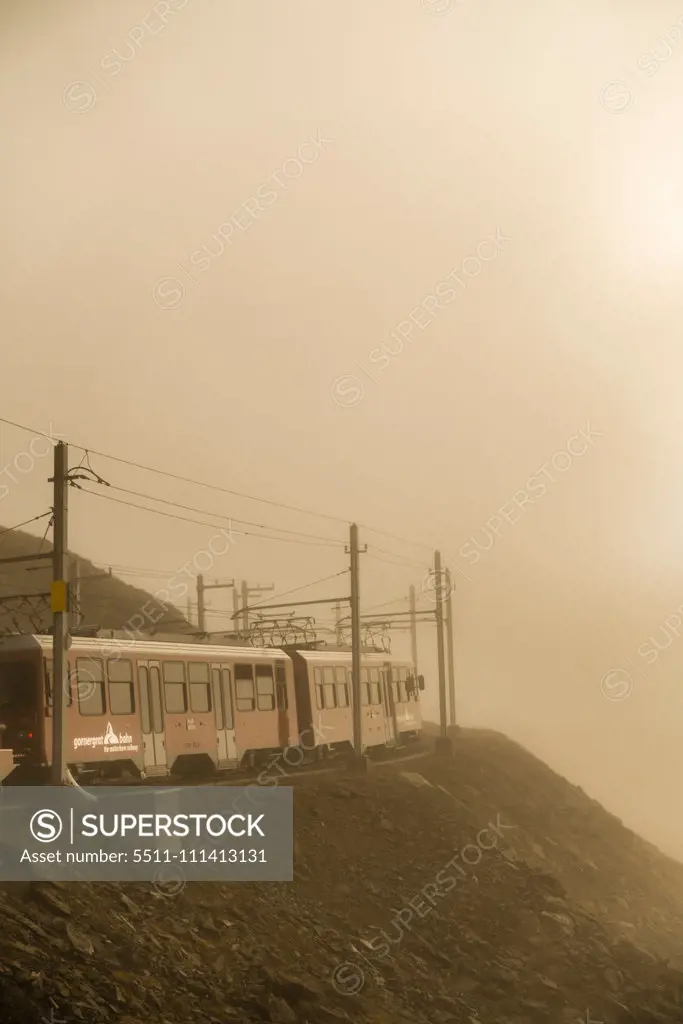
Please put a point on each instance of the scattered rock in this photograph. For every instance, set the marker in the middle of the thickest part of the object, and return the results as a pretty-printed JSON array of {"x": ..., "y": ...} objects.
[
  {"x": 513, "y": 940},
  {"x": 79, "y": 941}
]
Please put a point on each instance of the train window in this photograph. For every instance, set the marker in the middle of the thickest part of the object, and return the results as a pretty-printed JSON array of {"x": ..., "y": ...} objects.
[
  {"x": 244, "y": 688},
  {"x": 317, "y": 675},
  {"x": 374, "y": 675},
  {"x": 143, "y": 677},
  {"x": 265, "y": 689},
  {"x": 395, "y": 691},
  {"x": 329, "y": 695},
  {"x": 342, "y": 688},
  {"x": 90, "y": 686},
  {"x": 198, "y": 672},
  {"x": 227, "y": 697},
  {"x": 280, "y": 676},
  {"x": 200, "y": 697},
  {"x": 174, "y": 672},
  {"x": 342, "y": 695},
  {"x": 217, "y": 701},
  {"x": 244, "y": 692},
  {"x": 174, "y": 687},
  {"x": 121, "y": 697},
  {"x": 375, "y": 693},
  {"x": 155, "y": 691}
]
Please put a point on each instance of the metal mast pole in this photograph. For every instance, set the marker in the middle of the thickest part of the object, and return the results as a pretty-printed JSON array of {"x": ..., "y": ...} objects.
[
  {"x": 439, "y": 643},
  {"x": 450, "y": 641},
  {"x": 60, "y": 610},
  {"x": 245, "y": 606},
  {"x": 201, "y": 617},
  {"x": 413, "y": 631},
  {"x": 355, "y": 643},
  {"x": 338, "y": 625}
]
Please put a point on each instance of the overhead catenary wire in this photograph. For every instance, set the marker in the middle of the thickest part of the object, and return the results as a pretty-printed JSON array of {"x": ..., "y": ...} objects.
[
  {"x": 217, "y": 487},
  {"x": 200, "y": 522},
  {"x": 304, "y": 586},
  {"x": 395, "y": 600},
  {"x": 395, "y": 536},
  {"x": 223, "y": 515},
  {"x": 394, "y": 559},
  {"x": 4, "y": 530},
  {"x": 177, "y": 476}
]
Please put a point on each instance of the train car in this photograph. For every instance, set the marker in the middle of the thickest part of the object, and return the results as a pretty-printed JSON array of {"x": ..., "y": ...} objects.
[
  {"x": 147, "y": 707},
  {"x": 390, "y": 711}
]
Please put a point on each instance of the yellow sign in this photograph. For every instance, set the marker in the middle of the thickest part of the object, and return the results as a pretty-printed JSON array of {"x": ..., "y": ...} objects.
[{"x": 58, "y": 596}]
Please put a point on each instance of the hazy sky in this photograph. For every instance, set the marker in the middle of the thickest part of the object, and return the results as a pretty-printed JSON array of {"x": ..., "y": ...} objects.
[{"x": 134, "y": 133}]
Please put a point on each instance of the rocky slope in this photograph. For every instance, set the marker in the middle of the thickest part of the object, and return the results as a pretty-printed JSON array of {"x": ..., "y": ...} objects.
[{"x": 429, "y": 893}]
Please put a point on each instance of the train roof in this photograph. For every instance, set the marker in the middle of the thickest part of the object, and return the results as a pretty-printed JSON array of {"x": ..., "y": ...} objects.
[
  {"x": 105, "y": 646},
  {"x": 375, "y": 658}
]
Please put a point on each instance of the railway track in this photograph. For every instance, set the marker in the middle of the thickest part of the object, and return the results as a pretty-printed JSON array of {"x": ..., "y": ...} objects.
[{"x": 274, "y": 771}]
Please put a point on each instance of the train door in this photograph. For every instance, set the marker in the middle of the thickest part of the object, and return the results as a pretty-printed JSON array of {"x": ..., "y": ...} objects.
[
  {"x": 225, "y": 719},
  {"x": 390, "y": 730},
  {"x": 152, "y": 718}
]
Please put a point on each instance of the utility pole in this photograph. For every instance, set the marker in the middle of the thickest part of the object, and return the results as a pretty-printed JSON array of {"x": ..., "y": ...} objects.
[
  {"x": 356, "y": 704},
  {"x": 247, "y": 591},
  {"x": 443, "y": 743},
  {"x": 202, "y": 587},
  {"x": 338, "y": 625},
  {"x": 245, "y": 606},
  {"x": 450, "y": 641},
  {"x": 201, "y": 617},
  {"x": 413, "y": 630},
  {"x": 60, "y": 610}
]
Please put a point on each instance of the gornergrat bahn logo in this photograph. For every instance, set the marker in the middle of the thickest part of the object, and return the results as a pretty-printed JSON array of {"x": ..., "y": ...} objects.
[{"x": 111, "y": 742}]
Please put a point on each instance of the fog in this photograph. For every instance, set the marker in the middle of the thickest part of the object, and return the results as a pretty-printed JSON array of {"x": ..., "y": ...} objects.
[{"x": 524, "y": 158}]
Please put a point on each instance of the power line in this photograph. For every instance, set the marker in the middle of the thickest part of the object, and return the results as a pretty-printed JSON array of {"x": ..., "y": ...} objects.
[
  {"x": 394, "y": 536},
  {"x": 305, "y": 586},
  {"x": 215, "y": 487},
  {"x": 199, "y": 522},
  {"x": 132, "y": 574},
  {"x": 399, "y": 562},
  {"x": 222, "y": 515},
  {"x": 138, "y": 570},
  {"x": 10, "y": 529},
  {"x": 178, "y": 476},
  {"x": 395, "y": 600}
]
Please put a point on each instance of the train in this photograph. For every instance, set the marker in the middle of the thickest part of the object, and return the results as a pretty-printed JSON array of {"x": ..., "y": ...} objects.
[{"x": 151, "y": 708}]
